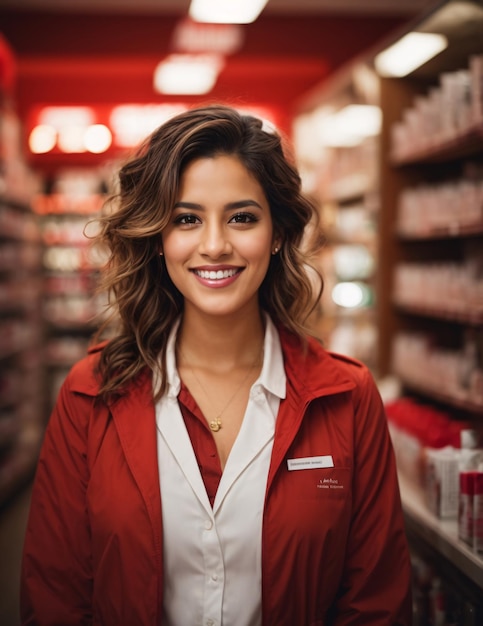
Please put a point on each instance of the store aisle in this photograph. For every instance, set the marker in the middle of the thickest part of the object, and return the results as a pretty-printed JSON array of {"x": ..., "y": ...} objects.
[{"x": 13, "y": 520}]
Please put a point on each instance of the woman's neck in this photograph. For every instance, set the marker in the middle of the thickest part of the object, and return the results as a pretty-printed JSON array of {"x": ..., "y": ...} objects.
[{"x": 220, "y": 343}]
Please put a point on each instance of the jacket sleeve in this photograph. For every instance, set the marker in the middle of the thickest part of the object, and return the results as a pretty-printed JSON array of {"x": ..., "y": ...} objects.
[
  {"x": 56, "y": 577},
  {"x": 376, "y": 586}
]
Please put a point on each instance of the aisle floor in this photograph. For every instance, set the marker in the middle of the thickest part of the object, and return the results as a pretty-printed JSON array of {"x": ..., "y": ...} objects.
[{"x": 13, "y": 520}]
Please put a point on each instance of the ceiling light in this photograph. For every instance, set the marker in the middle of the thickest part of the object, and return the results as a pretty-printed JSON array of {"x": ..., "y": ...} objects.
[
  {"x": 350, "y": 126},
  {"x": 42, "y": 139},
  {"x": 226, "y": 11},
  {"x": 66, "y": 116},
  {"x": 360, "y": 119},
  {"x": 193, "y": 37},
  {"x": 97, "y": 138},
  {"x": 132, "y": 123},
  {"x": 350, "y": 295},
  {"x": 409, "y": 53},
  {"x": 184, "y": 74},
  {"x": 71, "y": 138}
]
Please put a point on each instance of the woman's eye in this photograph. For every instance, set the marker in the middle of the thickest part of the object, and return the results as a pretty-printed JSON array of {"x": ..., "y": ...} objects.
[
  {"x": 186, "y": 219},
  {"x": 243, "y": 218}
]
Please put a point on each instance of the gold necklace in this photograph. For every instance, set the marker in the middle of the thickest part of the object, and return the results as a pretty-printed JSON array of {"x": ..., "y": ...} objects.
[{"x": 215, "y": 424}]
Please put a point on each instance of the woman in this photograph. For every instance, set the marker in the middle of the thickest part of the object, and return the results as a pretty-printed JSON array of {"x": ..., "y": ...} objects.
[{"x": 211, "y": 464}]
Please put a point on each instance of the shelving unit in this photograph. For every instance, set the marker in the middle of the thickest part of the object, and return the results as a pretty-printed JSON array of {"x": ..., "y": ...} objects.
[
  {"x": 70, "y": 307},
  {"x": 21, "y": 329},
  {"x": 433, "y": 205},
  {"x": 441, "y": 535},
  {"x": 436, "y": 541},
  {"x": 429, "y": 234},
  {"x": 432, "y": 220},
  {"x": 342, "y": 179}
]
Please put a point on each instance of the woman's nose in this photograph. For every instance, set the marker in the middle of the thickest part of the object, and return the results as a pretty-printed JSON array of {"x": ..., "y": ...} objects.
[{"x": 214, "y": 241}]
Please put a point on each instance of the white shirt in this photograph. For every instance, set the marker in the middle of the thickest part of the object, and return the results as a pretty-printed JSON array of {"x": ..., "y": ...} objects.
[{"x": 212, "y": 556}]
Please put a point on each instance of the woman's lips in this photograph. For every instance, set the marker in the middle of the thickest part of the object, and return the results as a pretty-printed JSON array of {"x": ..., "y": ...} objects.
[{"x": 217, "y": 277}]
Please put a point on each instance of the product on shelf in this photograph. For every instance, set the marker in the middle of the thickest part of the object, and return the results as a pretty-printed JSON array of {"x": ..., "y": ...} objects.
[
  {"x": 416, "y": 427},
  {"x": 447, "y": 287},
  {"x": 451, "y": 374},
  {"x": 442, "y": 481},
  {"x": 447, "y": 111},
  {"x": 432, "y": 452},
  {"x": 478, "y": 512},
  {"x": 451, "y": 207}
]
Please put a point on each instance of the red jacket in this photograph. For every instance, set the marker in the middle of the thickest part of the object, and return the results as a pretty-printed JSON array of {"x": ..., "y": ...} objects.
[{"x": 93, "y": 547}]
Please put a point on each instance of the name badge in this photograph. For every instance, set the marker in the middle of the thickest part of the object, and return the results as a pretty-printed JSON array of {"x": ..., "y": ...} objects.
[{"x": 310, "y": 462}]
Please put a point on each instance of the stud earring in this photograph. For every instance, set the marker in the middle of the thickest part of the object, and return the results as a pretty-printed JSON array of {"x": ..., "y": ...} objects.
[{"x": 275, "y": 250}]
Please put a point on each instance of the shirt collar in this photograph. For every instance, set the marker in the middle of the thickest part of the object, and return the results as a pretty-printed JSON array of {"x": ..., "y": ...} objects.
[
  {"x": 272, "y": 377},
  {"x": 174, "y": 382}
]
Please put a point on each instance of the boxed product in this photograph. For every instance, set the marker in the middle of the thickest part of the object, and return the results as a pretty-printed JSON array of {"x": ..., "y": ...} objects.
[{"x": 442, "y": 481}]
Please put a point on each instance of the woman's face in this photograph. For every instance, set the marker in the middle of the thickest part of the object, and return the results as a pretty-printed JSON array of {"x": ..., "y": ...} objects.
[{"x": 218, "y": 244}]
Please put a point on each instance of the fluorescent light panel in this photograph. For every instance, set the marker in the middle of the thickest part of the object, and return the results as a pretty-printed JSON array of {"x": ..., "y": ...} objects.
[
  {"x": 226, "y": 11},
  {"x": 185, "y": 74},
  {"x": 409, "y": 53},
  {"x": 349, "y": 126}
]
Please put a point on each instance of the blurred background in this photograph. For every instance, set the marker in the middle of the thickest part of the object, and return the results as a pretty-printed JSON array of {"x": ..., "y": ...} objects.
[{"x": 391, "y": 156}]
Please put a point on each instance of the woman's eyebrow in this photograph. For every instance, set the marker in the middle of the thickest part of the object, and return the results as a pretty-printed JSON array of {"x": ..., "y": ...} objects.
[
  {"x": 241, "y": 204},
  {"x": 188, "y": 205},
  {"x": 238, "y": 204}
]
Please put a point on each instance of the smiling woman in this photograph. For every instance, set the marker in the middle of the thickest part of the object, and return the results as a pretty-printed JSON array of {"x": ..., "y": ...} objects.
[
  {"x": 211, "y": 463},
  {"x": 217, "y": 247}
]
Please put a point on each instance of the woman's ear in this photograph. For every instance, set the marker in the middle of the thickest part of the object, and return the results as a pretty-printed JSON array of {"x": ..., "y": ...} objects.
[{"x": 276, "y": 245}]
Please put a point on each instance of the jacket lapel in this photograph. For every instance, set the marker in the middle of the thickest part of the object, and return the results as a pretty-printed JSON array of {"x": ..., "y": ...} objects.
[
  {"x": 311, "y": 374},
  {"x": 134, "y": 419},
  {"x": 135, "y": 422}
]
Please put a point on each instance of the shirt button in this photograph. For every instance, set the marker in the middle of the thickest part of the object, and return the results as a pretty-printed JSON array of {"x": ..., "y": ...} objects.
[
  {"x": 214, "y": 577},
  {"x": 208, "y": 524},
  {"x": 210, "y": 622}
]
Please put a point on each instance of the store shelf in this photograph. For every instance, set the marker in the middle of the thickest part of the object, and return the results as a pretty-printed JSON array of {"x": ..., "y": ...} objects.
[
  {"x": 467, "y": 318},
  {"x": 449, "y": 232},
  {"x": 351, "y": 188},
  {"x": 440, "y": 534},
  {"x": 21, "y": 381},
  {"x": 17, "y": 203},
  {"x": 71, "y": 263},
  {"x": 17, "y": 224},
  {"x": 87, "y": 204},
  {"x": 433, "y": 393},
  {"x": 464, "y": 145}
]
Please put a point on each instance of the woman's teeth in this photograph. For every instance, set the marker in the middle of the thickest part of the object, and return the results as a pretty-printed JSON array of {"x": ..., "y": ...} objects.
[{"x": 218, "y": 275}]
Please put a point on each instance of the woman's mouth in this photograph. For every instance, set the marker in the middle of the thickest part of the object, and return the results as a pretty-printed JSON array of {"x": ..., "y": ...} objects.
[
  {"x": 217, "y": 278},
  {"x": 216, "y": 274}
]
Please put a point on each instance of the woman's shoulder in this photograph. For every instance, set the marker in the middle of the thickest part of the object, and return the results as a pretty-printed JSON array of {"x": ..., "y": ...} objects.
[
  {"x": 319, "y": 364},
  {"x": 312, "y": 348},
  {"x": 350, "y": 366},
  {"x": 82, "y": 377}
]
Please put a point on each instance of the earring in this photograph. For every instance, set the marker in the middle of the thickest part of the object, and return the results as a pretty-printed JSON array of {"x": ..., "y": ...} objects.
[
  {"x": 161, "y": 253},
  {"x": 275, "y": 250}
]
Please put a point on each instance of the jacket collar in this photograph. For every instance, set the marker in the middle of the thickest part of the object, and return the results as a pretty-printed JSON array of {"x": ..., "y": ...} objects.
[{"x": 311, "y": 370}]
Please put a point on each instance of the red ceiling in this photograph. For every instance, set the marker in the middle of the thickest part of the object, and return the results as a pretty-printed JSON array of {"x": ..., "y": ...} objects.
[{"x": 109, "y": 59}]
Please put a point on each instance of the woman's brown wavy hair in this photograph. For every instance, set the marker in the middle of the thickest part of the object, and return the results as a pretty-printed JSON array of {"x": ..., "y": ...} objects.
[{"x": 142, "y": 298}]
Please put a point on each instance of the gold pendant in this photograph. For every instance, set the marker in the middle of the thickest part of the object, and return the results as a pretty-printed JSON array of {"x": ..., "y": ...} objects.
[{"x": 215, "y": 425}]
